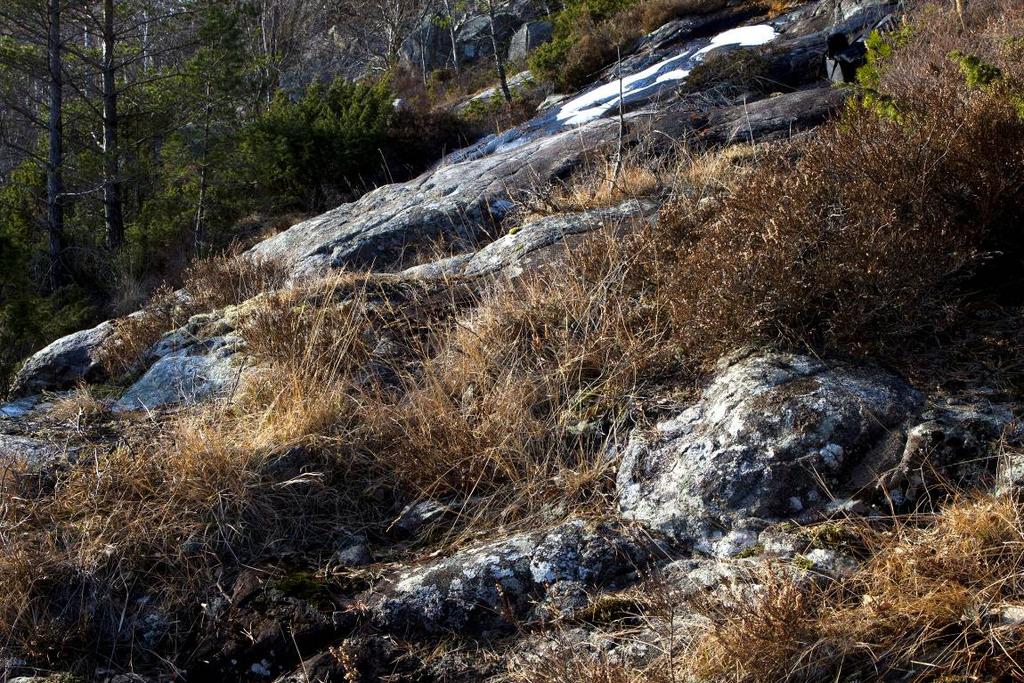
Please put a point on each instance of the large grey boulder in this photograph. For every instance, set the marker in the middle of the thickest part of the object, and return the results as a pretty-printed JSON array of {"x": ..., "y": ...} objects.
[
  {"x": 487, "y": 588},
  {"x": 64, "y": 363},
  {"x": 528, "y": 38},
  {"x": 473, "y": 41},
  {"x": 773, "y": 437},
  {"x": 427, "y": 48}
]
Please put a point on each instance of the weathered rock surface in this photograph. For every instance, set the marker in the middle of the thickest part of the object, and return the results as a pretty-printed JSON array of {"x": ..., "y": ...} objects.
[
  {"x": 483, "y": 589},
  {"x": 773, "y": 436},
  {"x": 474, "y": 39},
  {"x": 775, "y": 118},
  {"x": 28, "y": 450},
  {"x": 199, "y": 371},
  {"x": 429, "y": 46},
  {"x": 456, "y": 203},
  {"x": 528, "y": 38},
  {"x": 532, "y": 243},
  {"x": 949, "y": 442},
  {"x": 64, "y": 363}
]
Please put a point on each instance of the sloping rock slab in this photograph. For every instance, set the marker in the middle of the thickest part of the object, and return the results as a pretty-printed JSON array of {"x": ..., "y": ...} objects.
[
  {"x": 775, "y": 118},
  {"x": 519, "y": 250},
  {"x": 485, "y": 589},
  {"x": 455, "y": 203},
  {"x": 64, "y": 363},
  {"x": 773, "y": 435}
]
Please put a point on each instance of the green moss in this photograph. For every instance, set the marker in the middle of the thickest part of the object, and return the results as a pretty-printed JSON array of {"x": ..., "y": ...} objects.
[
  {"x": 305, "y": 585},
  {"x": 977, "y": 73},
  {"x": 881, "y": 47},
  {"x": 750, "y": 551},
  {"x": 830, "y": 535},
  {"x": 804, "y": 563}
]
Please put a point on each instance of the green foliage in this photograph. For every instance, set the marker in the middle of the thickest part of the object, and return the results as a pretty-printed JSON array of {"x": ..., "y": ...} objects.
[
  {"x": 881, "y": 47},
  {"x": 29, "y": 318},
  {"x": 977, "y": 73},
  {"x": 572, "y": 25},
  {"x": 323, "y": 145}
]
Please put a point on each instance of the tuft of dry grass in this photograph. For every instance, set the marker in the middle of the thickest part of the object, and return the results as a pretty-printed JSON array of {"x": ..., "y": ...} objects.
[
  {"x": 209, "y": 284},
  {"x": 516, "y": 399},
  {"x": 931, "y": 601},
  {"x": 680, "y": 171},
  {"x": 599, "y": 187},
  {"x": 77, "y": 407}
]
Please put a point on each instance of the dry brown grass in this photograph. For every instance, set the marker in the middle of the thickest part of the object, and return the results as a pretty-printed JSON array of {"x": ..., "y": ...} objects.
[
  {"x": 77, "y": 407},
  {"x": 370, "y": 389},
  {"x": 178, "y": 505},
  {"x": 679, "y": 171},
  {"x": 927, "y": 604},
  {"x": 209, "y": 284},
  {"x": 518, "y": 397},
  {"x": 367, "y": 387},
  {"x": 597, "y": 187}
]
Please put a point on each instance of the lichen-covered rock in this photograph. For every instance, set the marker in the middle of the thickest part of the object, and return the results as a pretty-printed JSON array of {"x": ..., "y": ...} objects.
[
  {"x": 64, "y": 363},
  {"x": 474, "y": 41},
  {"x": 30, "y": 451},
  {"x": 456, "y": 203},
  {"x": 200, "y": 371},
  {"x": 772, "y": 437},
  {"x": 486, "y": 588},
  {"x": 950, "y": 441}
]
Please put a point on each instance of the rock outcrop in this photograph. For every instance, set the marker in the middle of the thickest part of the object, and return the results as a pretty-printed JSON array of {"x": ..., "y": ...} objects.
[
  {"x": 541, "y": 241},
  {"x": 64, "y": 363},
  {"x": 528, "y": 38},
  {"x": 490, "y": 588},
  {"x": 185, "y": 376},
  {"x": 462, "y": 202},
  {"x": 775, "y": 436}
]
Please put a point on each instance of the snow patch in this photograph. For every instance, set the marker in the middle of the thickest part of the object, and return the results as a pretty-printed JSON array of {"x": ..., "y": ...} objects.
[{"x": 597, "y": 102}]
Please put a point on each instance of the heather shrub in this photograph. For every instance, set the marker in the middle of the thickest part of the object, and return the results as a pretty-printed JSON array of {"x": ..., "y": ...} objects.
[{"x": 871, "y": 234}]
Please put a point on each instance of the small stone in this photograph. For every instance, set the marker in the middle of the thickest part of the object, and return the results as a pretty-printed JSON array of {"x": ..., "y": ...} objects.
[
  {"x": 355, "y": 555},
  {"x": 417, "y": 515}
]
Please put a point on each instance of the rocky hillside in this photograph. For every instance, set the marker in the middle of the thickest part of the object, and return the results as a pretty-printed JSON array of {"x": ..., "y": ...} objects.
[{"x": 710, "y": 371}]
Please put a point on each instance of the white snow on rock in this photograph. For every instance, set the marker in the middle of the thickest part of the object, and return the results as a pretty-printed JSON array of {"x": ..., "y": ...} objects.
[{"x": 597, "y": 102}]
